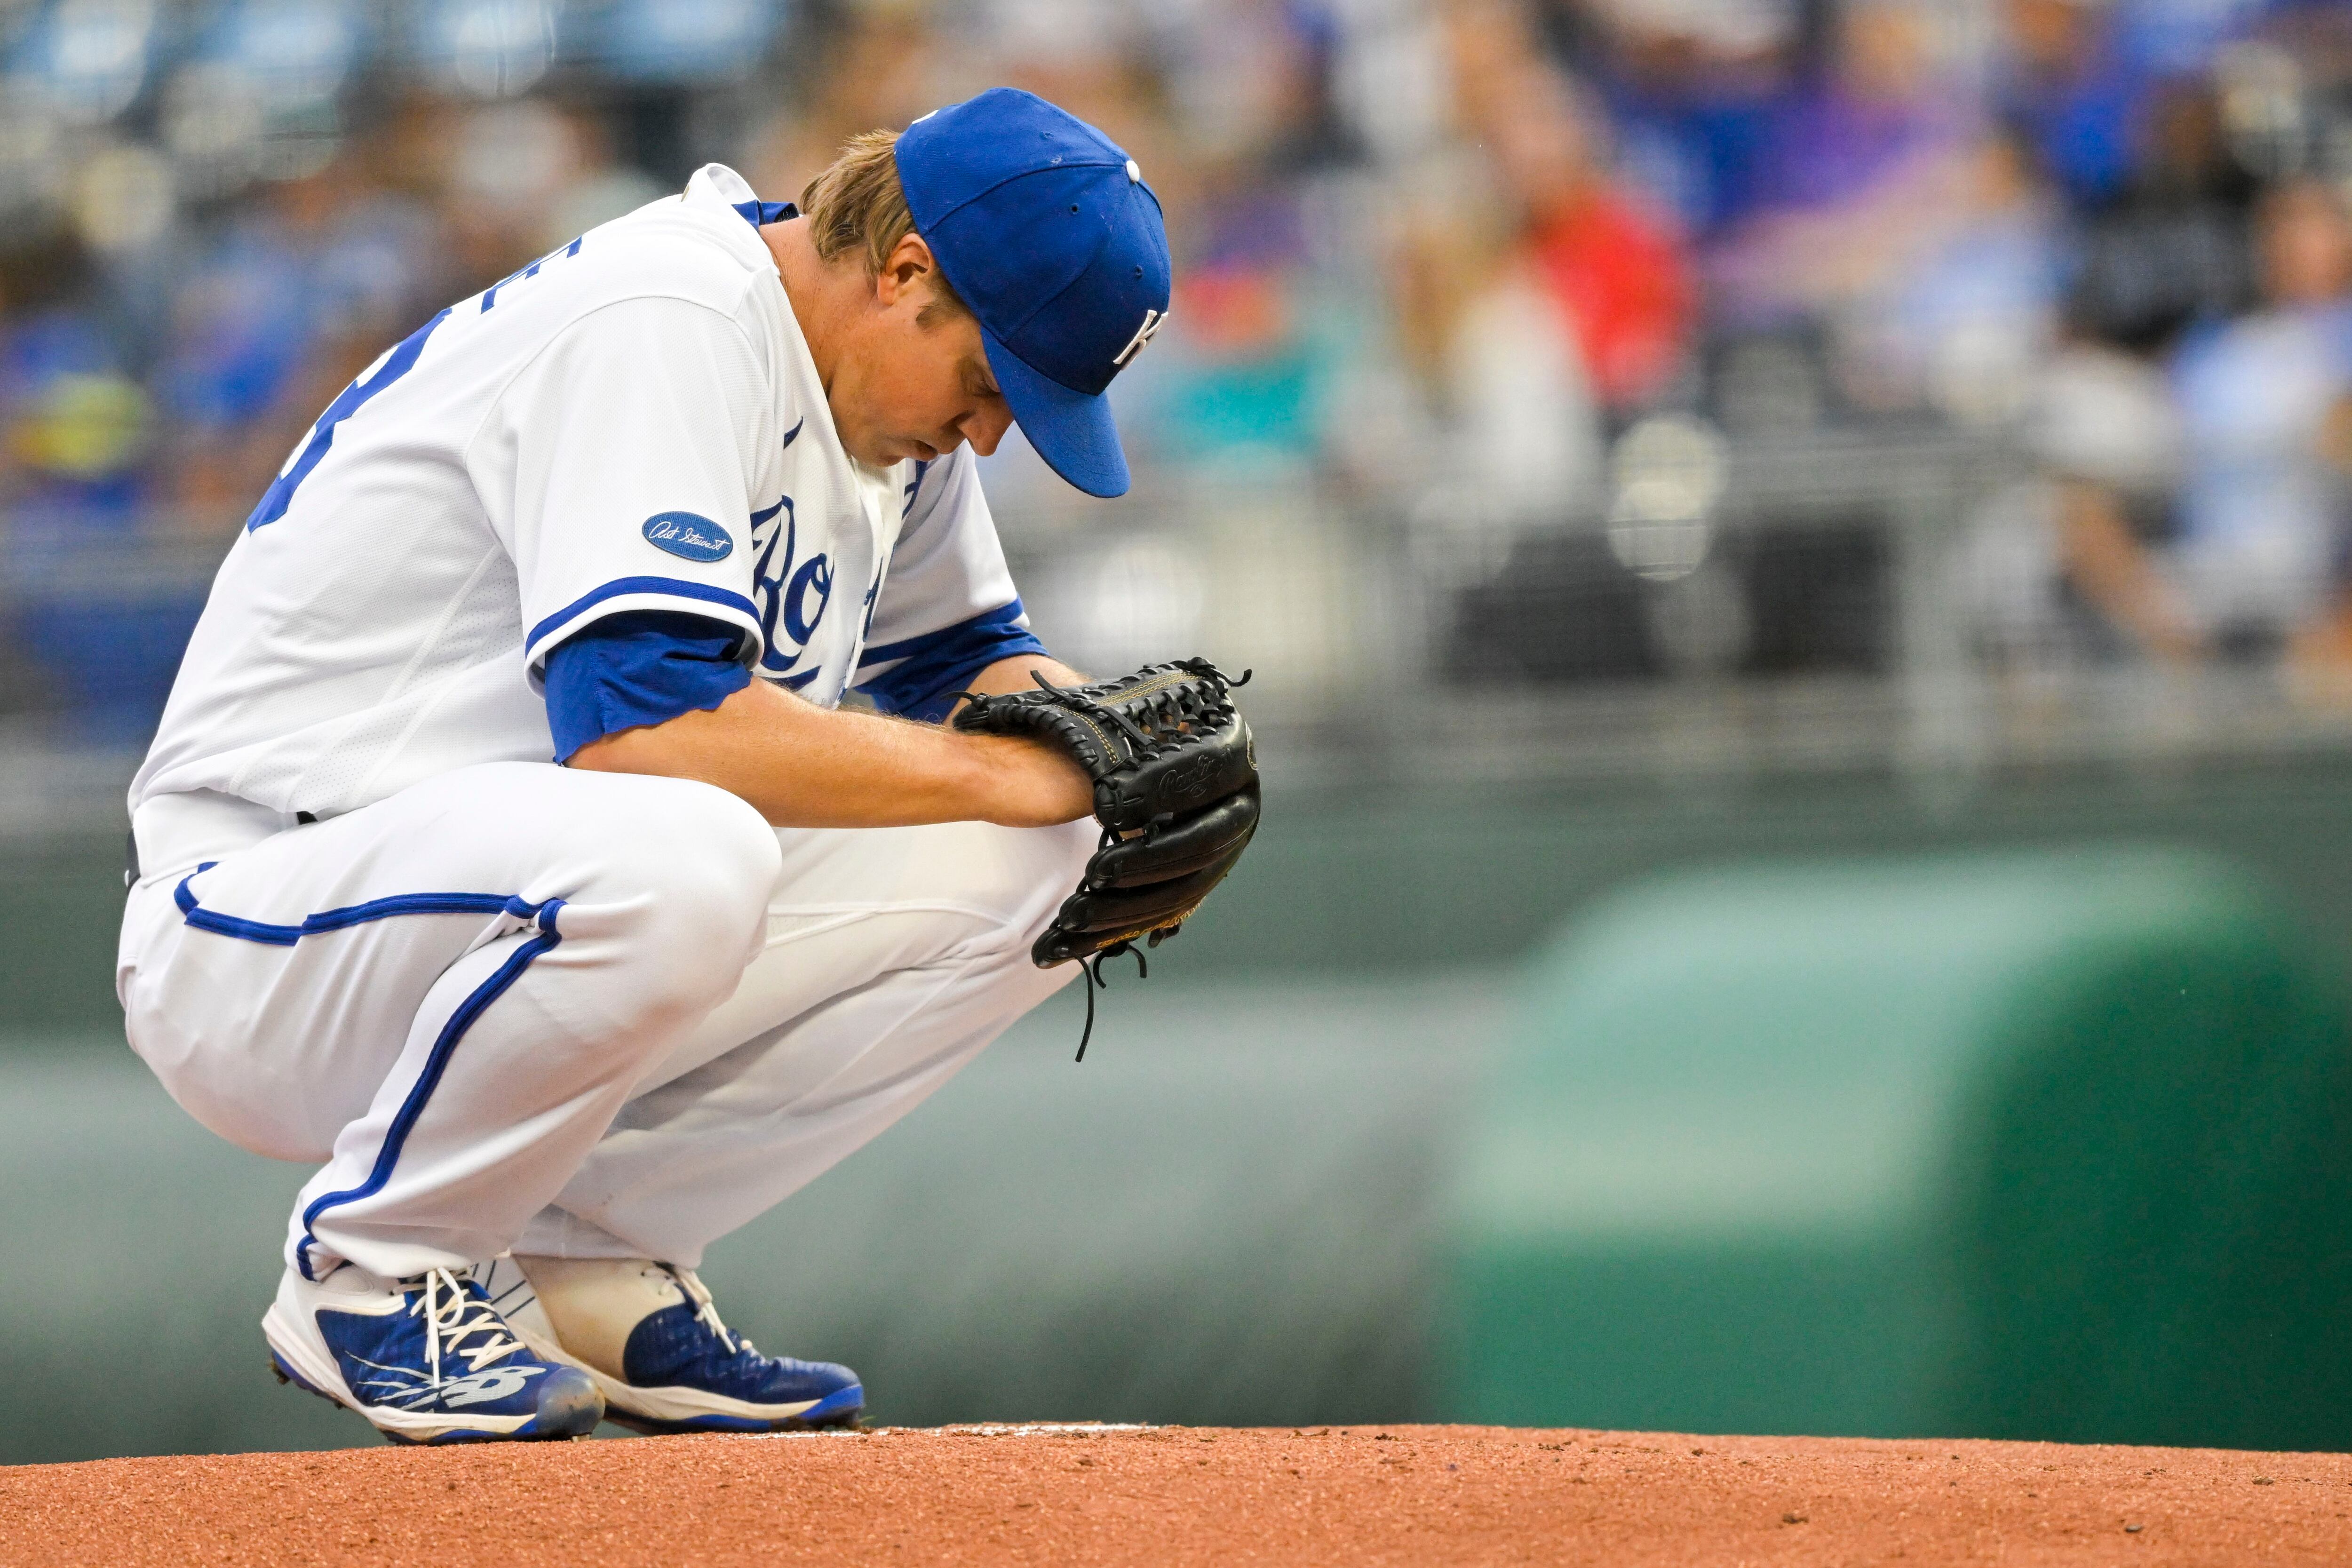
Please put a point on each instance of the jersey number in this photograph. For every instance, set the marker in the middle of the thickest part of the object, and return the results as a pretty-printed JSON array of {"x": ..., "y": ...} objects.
[
  {"x": 390, "y": 368},
  {"x": 394, "y": 366}
]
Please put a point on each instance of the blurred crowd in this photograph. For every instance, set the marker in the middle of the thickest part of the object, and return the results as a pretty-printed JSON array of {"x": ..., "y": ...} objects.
[{"x": 1547, "y": 261}]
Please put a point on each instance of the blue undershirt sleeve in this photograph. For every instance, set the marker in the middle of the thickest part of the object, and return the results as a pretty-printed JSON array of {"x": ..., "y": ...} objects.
[
  {"x": 925, "y": 673},
  {"x": 639, "y": 668}
]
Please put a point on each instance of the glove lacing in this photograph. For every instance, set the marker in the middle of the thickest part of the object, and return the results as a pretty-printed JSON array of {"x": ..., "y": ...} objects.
[
  {"x": 1178, "y": 711},
  {"x": 1091, "y": 969}
]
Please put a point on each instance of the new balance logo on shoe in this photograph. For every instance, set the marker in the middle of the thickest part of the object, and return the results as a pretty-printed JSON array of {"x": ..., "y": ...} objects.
[{"x": 412, "y": 1390}]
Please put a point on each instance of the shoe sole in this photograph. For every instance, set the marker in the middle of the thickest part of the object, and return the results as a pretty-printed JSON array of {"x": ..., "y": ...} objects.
[
  {"x": 566, "y": 1429},
  {"x": 838, "y": 1409}
]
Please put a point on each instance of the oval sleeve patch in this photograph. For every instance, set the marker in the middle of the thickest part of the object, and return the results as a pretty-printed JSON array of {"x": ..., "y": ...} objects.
[{"x": 690, "y": 535}]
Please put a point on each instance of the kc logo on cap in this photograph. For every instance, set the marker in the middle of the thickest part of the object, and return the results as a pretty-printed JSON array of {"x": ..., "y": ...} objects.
[{"x": 1152, "y": 321}]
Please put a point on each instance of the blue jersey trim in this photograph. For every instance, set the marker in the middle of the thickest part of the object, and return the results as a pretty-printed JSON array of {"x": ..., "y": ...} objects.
[
  {"x": 667, "y": 587},
  {"x": 929, "y": 668},
  {"x": 541, "y": 914},
  {"x": 759, "y": 214}
]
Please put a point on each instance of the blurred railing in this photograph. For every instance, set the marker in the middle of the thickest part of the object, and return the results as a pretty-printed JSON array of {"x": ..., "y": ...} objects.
[
  {"x": 1763, "y": 607},
  {"x": 1811, "y": 605}
]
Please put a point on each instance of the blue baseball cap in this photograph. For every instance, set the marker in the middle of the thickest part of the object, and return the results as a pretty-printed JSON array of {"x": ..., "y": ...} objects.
[{"x": 1045, "y": 228}]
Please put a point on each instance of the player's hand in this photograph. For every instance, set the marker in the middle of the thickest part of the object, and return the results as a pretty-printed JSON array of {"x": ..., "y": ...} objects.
[{"x": 1029, "y": 784}]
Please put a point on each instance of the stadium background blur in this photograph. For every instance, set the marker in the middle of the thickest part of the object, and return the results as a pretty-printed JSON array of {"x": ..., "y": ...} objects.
[{"x": 1663, "y": 457}]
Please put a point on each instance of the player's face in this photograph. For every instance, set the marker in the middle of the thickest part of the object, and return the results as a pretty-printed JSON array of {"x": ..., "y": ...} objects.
[{"x": 915, "y": 381}]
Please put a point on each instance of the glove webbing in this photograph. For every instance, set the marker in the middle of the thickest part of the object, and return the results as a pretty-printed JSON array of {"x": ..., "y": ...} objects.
[{"x": 1171, "y": 700}]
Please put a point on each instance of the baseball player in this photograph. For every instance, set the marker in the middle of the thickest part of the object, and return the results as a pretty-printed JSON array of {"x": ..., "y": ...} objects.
[{"x": 504, "y": 850}]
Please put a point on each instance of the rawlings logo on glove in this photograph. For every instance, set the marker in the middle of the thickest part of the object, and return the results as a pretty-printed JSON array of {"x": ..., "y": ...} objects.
[{"x": 1176, "y": 791}]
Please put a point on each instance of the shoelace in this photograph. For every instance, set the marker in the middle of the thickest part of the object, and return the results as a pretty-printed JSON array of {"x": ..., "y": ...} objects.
[
  {"x": 706, "y": 1311},
  {"x": 450, "y": 1322}
]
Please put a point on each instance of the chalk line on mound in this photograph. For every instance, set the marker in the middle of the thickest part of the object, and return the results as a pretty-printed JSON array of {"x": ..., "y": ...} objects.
[{"x": 1047, "y": 1429}]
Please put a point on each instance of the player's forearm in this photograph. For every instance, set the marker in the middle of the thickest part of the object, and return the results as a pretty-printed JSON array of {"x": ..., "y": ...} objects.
[
  {"x": 1014, "y": 674},
  {"x": 805, "y": 766}
]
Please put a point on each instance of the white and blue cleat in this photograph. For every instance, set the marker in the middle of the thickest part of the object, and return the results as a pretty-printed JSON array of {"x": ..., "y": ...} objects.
[
  {"x": 427, "y": 1360},
  {"x": 649, "y": 1335}
]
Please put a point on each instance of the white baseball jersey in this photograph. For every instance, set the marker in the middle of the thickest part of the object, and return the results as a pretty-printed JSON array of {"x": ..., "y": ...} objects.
[{"x": 631, "y": 422}]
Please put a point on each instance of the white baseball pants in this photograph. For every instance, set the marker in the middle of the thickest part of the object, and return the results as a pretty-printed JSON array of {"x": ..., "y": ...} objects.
[{"x": 575, "y": 1014}]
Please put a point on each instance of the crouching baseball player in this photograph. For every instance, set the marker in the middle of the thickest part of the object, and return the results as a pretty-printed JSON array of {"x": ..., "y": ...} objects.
[{"x": 504, "y": 850}]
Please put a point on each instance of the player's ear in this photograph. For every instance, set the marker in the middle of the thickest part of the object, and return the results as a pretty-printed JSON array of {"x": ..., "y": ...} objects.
[{"x": 909, "y": 265}]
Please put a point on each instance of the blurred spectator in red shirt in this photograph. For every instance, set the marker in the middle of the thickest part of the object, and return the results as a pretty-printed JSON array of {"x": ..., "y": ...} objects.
[{"x": 1616, "y": 270}]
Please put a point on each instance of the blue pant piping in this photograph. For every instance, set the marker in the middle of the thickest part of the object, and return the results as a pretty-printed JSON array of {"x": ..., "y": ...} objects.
[
  {"x": 337, "y": 919},
  {"x": 453, "y": 1030}
]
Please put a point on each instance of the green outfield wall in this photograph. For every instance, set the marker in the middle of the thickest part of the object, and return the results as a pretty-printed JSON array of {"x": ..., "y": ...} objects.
[{"x": 1377, "y": 878}]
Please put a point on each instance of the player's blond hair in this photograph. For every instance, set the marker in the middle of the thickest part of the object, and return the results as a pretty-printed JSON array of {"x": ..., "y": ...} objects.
[{"x": 857, "y": 206}]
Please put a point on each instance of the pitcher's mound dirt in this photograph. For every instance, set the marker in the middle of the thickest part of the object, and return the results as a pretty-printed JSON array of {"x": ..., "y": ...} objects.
[{"x": 1179, "y": 1495}]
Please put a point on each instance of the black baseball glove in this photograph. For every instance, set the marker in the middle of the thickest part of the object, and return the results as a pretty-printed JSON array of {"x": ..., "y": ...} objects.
[{"x": 1175, "y": 790}]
